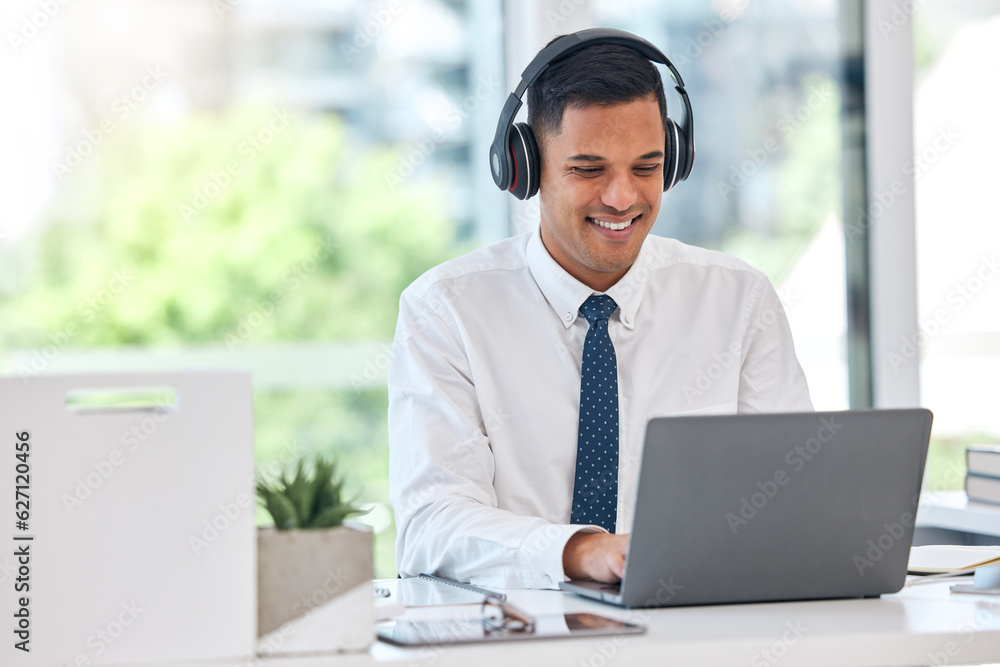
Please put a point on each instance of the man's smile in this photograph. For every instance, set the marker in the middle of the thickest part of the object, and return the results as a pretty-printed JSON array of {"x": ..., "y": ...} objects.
[{"x": 614, "y": 224}]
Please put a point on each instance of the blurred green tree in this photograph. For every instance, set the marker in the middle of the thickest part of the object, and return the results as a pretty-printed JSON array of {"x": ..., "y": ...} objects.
[
  {"x": 210, "y": 219},
  {"x": 803, "y": 181},
  {"x": 244, "y": 227}
]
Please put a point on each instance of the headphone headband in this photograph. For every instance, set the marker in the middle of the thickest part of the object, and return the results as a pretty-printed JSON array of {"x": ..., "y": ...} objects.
[
  {"x": 502, "y": 162},
  {"x": 567, "y": 44}
]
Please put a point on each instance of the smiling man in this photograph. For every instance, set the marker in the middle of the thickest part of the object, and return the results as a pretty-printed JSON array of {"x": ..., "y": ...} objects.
[
  {"x": 602, "y": 181},
  {"x": 524, "y": 373}
]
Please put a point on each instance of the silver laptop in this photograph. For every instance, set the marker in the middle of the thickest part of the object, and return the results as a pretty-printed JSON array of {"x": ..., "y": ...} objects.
[{"x": 769, "y": 507}]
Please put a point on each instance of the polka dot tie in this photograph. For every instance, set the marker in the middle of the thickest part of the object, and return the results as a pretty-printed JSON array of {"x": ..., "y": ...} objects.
[{"x": 595, "y": 491}]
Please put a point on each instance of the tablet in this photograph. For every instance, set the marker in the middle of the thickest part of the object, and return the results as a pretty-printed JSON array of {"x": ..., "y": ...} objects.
[{"x": 444, "y": 631}]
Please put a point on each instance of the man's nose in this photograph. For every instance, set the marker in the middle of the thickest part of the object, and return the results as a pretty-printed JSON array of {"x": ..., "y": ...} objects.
[{"x": 620, "y": 193}]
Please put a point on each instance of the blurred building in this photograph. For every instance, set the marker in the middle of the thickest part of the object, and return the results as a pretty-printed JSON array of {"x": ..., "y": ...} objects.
[{"x": 373, "y": 64}]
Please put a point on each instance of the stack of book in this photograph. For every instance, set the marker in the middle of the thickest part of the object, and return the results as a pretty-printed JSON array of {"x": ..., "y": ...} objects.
[{"x": 982, "y": 481}]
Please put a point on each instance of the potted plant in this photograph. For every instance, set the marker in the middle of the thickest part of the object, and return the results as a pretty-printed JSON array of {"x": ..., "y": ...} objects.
[{"x": 311, "y": 561}]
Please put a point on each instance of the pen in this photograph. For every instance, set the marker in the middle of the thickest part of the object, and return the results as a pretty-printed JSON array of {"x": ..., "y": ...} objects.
[{"x": 469, "y": 587}]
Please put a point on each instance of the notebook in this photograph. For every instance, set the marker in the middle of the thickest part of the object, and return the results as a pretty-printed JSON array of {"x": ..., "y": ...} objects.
[
  {"x": 951, "y": 558},
  {"x": 769, "y": 507}
]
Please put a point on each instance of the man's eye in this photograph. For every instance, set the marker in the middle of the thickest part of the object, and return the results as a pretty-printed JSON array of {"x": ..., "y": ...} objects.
[
  {"x": 648, "y": 169},
  {"x": 586, "y": 171}
]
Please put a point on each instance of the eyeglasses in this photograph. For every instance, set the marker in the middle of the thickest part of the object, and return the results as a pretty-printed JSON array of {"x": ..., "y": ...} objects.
[{"x": 501, "y": 616}]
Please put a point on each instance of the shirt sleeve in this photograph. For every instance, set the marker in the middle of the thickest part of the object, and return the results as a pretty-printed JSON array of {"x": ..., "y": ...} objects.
[
  {"x": 771, "y": 379},
  {"x": 441, "y": 465}
]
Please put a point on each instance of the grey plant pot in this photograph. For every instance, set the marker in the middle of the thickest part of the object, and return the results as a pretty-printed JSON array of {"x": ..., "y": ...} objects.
[{"x": 299, "y": 571}]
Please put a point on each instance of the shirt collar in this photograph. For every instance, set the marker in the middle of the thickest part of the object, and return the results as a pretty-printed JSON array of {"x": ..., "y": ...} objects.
[{"x": 566, "y": 294}]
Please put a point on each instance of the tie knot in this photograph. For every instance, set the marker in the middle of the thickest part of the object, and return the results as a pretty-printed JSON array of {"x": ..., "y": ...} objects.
[{"x": 598, "y": 307}]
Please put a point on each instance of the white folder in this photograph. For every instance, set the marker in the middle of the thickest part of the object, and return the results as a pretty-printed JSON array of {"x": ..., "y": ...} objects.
[{"x": 140, "y": 531}]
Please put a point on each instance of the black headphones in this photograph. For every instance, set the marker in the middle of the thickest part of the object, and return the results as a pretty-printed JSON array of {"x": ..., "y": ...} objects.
[{"x": 514, "y": 159}]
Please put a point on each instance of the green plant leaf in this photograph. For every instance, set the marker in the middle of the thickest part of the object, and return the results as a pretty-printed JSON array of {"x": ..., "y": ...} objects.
[
  {"x": 306, "y": 490},
  {"x": 312, "y": 497},
  {"x": 323, "y": 471},
  {"x": 281, "y": 509},
  {"x": 334, "y": 516}
]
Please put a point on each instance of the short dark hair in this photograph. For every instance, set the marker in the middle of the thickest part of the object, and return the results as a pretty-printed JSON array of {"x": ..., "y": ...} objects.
[{"x": 601, "y": 74}]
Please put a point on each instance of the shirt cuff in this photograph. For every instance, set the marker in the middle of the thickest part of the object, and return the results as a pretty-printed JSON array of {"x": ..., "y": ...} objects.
[{"x": 550, "y": 560}]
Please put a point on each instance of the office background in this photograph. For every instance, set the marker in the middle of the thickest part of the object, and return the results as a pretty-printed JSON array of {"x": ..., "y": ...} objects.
[{"x": 251, "y": 183}]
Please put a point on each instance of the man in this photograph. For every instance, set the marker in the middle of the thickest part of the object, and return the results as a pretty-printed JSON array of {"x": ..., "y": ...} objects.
[{"x": 494, "y": 474}]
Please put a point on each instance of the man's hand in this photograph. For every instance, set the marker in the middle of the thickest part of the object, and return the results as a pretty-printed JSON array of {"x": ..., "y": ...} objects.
[{"x": 597, "y": 556}]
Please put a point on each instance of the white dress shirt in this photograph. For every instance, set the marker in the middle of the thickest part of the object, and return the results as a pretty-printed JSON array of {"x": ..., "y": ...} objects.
[{"x": 484, "y": 393}]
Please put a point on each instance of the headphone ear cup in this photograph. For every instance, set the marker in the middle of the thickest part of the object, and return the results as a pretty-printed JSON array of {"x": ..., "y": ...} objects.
[
  {"x": 685, "y": 156},
  {"x": 527, "y": 162},
  {"x": 671, "y": 163}
]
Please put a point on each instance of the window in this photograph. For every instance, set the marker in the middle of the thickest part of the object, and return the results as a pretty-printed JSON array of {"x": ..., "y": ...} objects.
[
  {"x": 243, "y": 184},
  {"x": 251, "y": 183},
  {"x": 957, "y": 342},
  {"x": 764, "y": 83}
]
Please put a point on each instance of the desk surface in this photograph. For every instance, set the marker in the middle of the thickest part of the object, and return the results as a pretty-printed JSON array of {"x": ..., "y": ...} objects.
[
  {"x": 953, "y": 510},
  {"x": 923, "y": 624}
]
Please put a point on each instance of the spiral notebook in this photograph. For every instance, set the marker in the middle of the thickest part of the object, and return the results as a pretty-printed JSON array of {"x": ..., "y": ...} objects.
[{"x": 427, "y": 590}]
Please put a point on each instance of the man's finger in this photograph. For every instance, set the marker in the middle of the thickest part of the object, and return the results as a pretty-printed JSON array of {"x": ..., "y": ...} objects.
[{"x": 617, "y": 562}]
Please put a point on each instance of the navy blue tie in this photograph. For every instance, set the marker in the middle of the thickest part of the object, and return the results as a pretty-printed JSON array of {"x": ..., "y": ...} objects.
[{"x": 595, "y": 491}]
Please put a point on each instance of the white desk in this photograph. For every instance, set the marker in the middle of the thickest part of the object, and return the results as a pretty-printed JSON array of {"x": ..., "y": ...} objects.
[
  {"x": 922, "y": 625},
  {"x": 948, "y": 517}
]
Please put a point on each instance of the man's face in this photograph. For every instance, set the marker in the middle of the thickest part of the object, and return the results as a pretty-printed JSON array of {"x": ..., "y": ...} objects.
[{"x": 604, "y": 166}]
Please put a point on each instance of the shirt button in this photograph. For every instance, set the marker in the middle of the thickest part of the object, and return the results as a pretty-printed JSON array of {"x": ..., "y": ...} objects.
[
  {"x": 626, "y": 319},
  {"x": 568, "y": 317}
]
